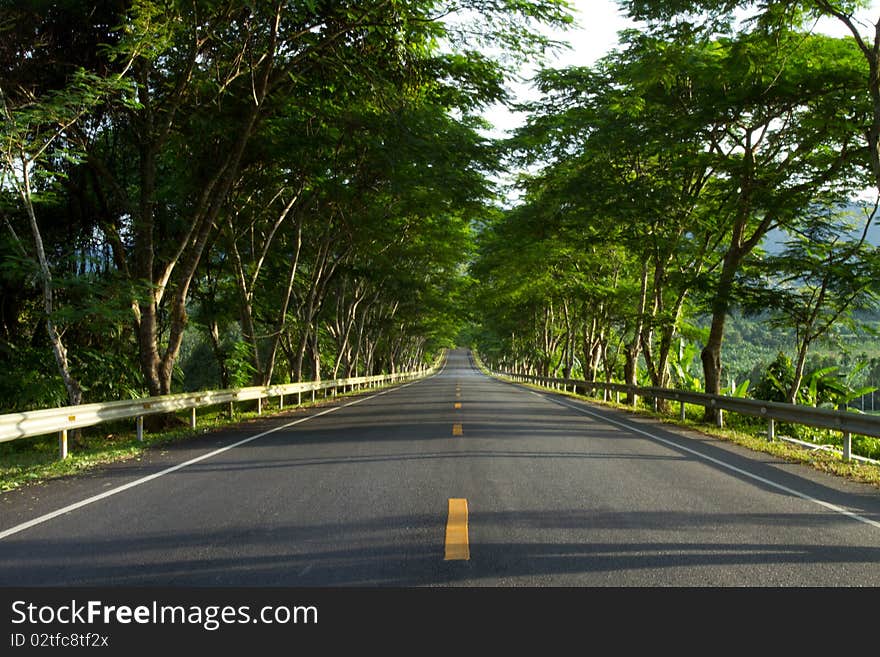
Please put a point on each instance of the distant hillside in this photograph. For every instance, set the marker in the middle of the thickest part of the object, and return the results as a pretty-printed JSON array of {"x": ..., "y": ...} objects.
[{"x": 774, "y": 243}]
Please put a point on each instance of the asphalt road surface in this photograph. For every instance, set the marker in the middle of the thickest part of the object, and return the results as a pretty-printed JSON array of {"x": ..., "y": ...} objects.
[{"x": 457, "y": 479}]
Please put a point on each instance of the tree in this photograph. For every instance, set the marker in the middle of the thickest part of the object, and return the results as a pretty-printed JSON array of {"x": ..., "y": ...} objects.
[
  {"x": 710, "y": 16},
  {"x": 214, "y": 75},
  {"x": 279, "y": 156},
  {"x": 35, "y": 138},
  {"x": 623, "y": 164},
  {"x": 775, "y": 117},
  {"x": 684, "y": 151},
  {"x": 822, "y": 276}
]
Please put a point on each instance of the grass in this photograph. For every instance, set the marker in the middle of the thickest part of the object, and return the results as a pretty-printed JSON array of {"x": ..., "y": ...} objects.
[
  {"x": 35, "y": 460},
  {"x": 750, "y": 434}
]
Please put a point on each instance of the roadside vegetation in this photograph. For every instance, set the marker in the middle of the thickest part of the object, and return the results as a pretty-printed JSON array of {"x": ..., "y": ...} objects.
[
  {"x": 209, "y": 195},
  {"x": 699, "y": 211}
]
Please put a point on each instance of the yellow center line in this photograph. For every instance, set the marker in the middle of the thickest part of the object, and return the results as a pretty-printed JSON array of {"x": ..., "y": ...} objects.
[
  {"x": 456, "y": 429},
  {"x": 457, "y": 531},
  {"x": 457, "y": 404}
]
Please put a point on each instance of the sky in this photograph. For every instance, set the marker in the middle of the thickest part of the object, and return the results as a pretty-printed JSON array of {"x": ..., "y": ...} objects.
[{"x": 598, "y": 22}]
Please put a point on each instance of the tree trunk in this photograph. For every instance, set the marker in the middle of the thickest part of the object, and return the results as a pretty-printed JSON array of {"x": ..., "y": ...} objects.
[
  {"x": 798, "y": 371},
  {"x": 214, "y": 330},
  {"x": 315, "y": 349},
  {"x": 71, "y": 385},
  {"x": 711, "y": 353},
  {"x": 300, "y": 355},
  {"x": 246, "y": 310},
  {"x": 282, "y": 313},
  {"x": 631, "y": 365}
]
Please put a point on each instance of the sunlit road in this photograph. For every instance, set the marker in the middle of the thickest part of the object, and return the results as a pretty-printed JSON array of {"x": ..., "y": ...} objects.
[{"x": 545, "y": 490}]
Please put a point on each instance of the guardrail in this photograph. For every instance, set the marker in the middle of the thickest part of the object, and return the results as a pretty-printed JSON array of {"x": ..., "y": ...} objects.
[
  {"x": 847, "y": 422},
  {"x": 14, "y": 426}
]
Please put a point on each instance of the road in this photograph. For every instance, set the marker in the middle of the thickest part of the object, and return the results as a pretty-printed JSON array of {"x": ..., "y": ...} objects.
[{"x": 557, "y": 492}]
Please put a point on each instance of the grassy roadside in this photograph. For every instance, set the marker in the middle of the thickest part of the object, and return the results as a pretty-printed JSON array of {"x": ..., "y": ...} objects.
[
  {"x": 35, "y": 460},
  {"x": 818, "y": 459}
]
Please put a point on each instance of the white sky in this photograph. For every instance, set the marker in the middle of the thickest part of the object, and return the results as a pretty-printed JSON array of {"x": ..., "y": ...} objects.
[
  {"x": 595, "y": 34},
  {"x": 598, "y": 22}
]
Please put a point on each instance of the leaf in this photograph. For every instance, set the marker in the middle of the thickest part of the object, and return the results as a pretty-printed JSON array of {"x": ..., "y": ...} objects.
[{"x": 742, "y": 389}]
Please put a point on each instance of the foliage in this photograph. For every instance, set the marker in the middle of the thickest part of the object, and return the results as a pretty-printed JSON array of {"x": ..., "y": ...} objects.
[
  {"x": 227, "y": 194},
  {"x": 655, "y": 178},
  {"x": 776, "y": 380},
  {"x": 823, "y": 386},
  {"x": 683, "y": 369}
]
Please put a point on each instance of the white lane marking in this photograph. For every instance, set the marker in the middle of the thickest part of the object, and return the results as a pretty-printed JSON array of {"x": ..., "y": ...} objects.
[
  {"x": 745, "y": 473},
  {"x": 113, "y": 491}
]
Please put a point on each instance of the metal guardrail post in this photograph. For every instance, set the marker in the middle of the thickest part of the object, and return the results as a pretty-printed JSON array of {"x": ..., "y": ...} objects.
[
  {"x": 192, "y": 418},
  {"x": 771, "y": 430},
  {"x": 281, "y": 401},
  {"x": 681, "y": 412},
  {"x": 847, "y": 446},
  {"x": 62, "y": 444},
  {"x": 139, "y": 428},
  {"x": 259, "y": 405}
]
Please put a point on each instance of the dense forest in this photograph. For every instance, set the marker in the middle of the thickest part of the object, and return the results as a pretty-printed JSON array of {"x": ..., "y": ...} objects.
[{"x": 212, "y": 194}]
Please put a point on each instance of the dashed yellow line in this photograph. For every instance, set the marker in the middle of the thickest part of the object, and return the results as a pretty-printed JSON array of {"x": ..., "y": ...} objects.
[
  {"x": 456, "y": 429},
  {"x": 457, "y": 547},
  {"x": 457, "y": 405}
]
